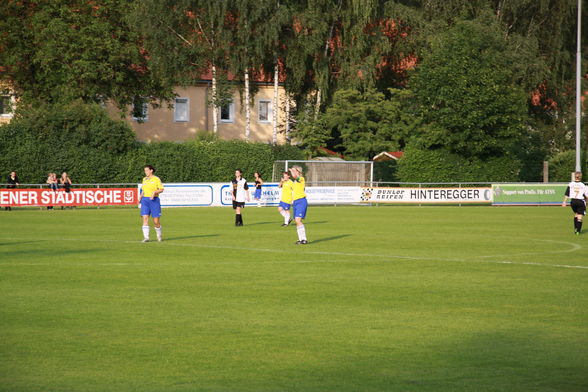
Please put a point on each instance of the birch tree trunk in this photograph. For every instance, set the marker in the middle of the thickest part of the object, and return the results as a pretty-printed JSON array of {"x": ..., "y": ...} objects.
[
  {"x": 275, "y": 106},
  {"x": 214, "y": 102},
  {"x": 287, "y": 118},
  {"x": 317, "y": 107},
  {"x": 247, "y": 106}
]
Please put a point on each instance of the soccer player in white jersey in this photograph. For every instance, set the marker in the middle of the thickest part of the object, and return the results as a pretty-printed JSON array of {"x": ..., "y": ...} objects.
[
  {"x": 240, "y": 194},
  {"x": 578, "y": 193}
]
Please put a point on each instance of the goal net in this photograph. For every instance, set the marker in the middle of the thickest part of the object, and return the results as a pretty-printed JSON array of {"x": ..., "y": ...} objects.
[{"x": 329, "y": 173}]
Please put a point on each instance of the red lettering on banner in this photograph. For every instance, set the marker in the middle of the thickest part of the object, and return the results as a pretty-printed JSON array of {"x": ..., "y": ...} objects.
[{"x": 77, "y": 197}]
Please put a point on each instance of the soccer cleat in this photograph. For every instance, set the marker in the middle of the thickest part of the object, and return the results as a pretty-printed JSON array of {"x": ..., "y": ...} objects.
[
  {"x": 298, "y": 242},
  {"x": 289, "y": 221},
  {"x": 145, "y": 240},
  {"x": 284, "y": 224},
  {"x": 303, "y": 242},
  {"x": 159, "y": 239}
]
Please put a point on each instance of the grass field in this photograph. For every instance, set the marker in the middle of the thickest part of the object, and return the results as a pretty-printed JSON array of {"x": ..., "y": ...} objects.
[{"x": 383, "y": 299}]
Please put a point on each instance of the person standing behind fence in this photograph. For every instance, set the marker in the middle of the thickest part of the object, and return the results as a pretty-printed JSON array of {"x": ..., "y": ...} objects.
[
  {"x": 578, "y": 193},
  {"x": 285, "y": 198},
  {"x": 258, "y": 184},
  {"x": 300, "y": 203},
  {"x": 12, "y": 182},
  {"x": 150, "y": 204},
  {"x": 65, "y": 183},
  {"x": 53, "y": 184}
]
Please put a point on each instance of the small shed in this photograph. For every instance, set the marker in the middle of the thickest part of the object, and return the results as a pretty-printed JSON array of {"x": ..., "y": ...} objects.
[{"x": 388, "y": 156}]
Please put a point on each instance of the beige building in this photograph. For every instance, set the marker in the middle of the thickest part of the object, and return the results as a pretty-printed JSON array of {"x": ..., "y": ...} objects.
[
  {"x": 7, "y": 104},
  {"x": 191, "y": 112}
]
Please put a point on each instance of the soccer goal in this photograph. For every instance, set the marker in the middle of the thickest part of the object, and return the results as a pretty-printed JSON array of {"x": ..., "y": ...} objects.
[{"x": 329, "y": 172}]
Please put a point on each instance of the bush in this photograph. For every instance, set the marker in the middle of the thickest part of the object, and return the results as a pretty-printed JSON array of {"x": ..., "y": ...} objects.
[
  {"x": 78, "y": 138},
  {"x": 420, "y": 165}
]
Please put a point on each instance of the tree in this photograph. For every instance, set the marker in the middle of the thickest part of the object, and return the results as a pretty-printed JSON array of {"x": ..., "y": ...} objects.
[
  {"x": 367, "y": 123},
  {"x": 190, "y": 38},
  {"x": 65, "y": 50},
  {"x": 467, "y": 93}
]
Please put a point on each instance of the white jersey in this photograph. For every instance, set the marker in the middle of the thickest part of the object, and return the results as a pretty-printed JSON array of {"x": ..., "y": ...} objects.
[
  {"x": 577, "y": 190},
  {"x": 240, "y": 188}
]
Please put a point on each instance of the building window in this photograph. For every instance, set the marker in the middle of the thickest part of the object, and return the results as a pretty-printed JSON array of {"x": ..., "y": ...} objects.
[
  {"x": 140, "y": 110},
  {"x": 6, "y": 105},
  {"x": 182, "y": 110},
  {"x": 265, "y": 111},
  {"x": 227, "y": 112}
]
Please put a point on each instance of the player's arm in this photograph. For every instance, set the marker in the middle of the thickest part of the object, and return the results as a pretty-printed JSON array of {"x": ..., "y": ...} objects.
[
  {"x": 246, "y": 188},
  {"x": 157, "y": 191}
]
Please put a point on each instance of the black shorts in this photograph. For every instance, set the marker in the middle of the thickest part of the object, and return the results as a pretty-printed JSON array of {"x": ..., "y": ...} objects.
[
  {"x": 238, "y": 204},
  {"x": 578, "y": 206}
]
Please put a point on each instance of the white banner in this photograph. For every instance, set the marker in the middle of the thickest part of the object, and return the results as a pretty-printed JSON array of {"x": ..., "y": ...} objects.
[
  {"x": 187, "y": 195},
  {"x": 219, "y": 194},
  {"x": 427, "y": 195}
]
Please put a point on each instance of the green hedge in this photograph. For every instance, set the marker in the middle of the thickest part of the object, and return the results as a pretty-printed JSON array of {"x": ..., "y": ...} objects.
[
  {"x": 419, "y": 165},
  {"x": 204, "y": 161},
  {"x": 84, "y": 141}
]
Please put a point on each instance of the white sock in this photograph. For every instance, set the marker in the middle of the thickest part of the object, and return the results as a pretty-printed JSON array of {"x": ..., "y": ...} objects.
[
  {"x": 146, "y": 232},
  {"x": 158, "y": 232},
  {"x": 301, "y": 232},
  {"x": 286, "y": 217}
]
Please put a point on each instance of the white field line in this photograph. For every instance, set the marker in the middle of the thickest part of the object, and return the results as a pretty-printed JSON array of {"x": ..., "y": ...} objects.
[{"x": 365, "y": 256}]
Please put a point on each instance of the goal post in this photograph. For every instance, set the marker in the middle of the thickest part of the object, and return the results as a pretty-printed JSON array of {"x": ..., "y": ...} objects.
[{"x": 329, "y": 173}]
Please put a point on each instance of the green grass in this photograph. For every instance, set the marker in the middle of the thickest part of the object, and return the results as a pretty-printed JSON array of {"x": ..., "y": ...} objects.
[{"x": 383, "y": 299}]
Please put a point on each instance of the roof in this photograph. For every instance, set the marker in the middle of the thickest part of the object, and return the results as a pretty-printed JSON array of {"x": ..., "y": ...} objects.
[
  {"x": 388, "y": 155},
  {"x": 331, "y": 153}
]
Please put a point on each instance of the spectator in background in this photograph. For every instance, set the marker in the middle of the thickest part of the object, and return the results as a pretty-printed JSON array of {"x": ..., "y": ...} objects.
[
  {"x": 53, "y": 184},
  {"x": 12, "y": 182},
  {"x": 65, "y": 183}
]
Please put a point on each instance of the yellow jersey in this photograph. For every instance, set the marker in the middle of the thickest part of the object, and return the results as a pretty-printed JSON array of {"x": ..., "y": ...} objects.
[
  {"x": 150, "y": 185},
  {"x": 298, "y": 188},
  {"x": 287, "y": 191}
]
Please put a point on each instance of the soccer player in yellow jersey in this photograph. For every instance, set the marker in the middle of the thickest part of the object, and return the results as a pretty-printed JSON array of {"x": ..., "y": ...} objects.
[
  {"x": 300, "y": 203},
  {"x": 150, "y": 205},
  {"x": 286, "y": 198}
]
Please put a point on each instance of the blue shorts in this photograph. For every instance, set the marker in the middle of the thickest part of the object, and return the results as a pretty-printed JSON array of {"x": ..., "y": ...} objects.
[
  {"x": 150, "y": 207},
  {"x": 300, "y": 207},
  {"x": 285, "y": 206},
  {"x": 257, "y": 194}
]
